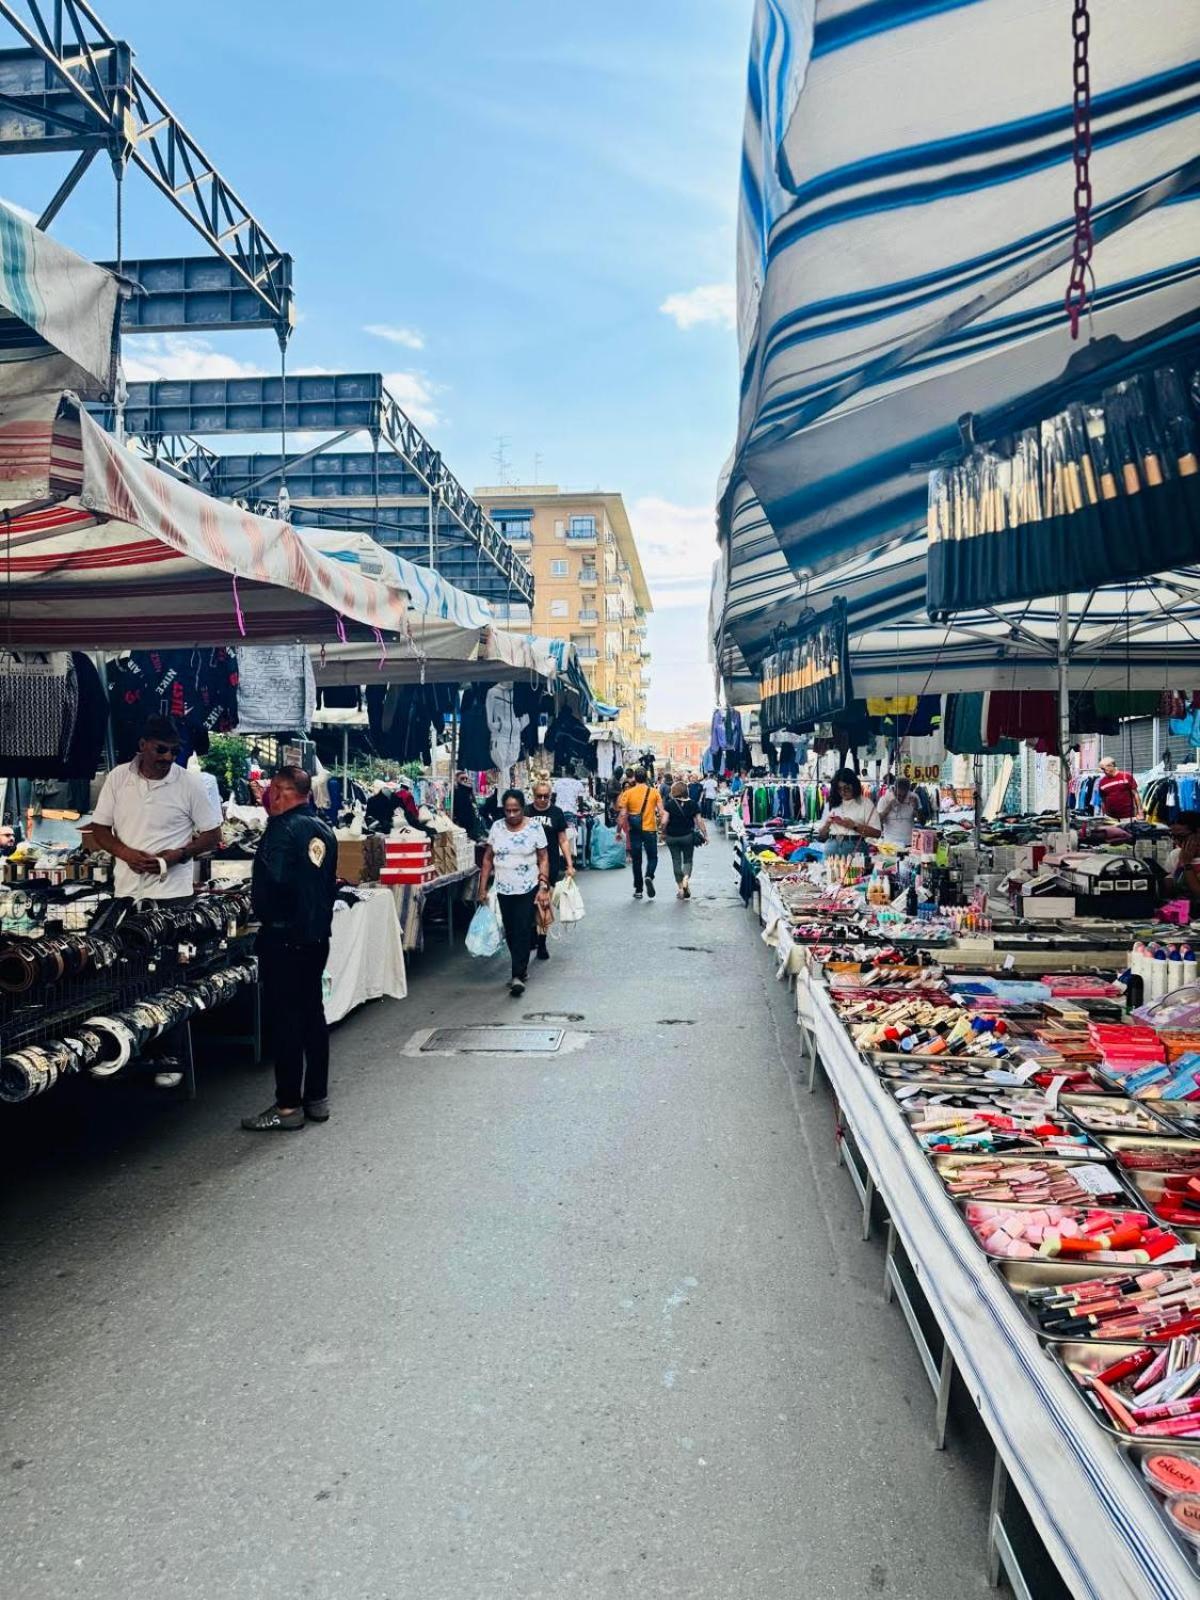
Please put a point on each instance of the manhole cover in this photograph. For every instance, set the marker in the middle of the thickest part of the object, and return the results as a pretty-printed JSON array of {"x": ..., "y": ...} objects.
[{"x": 497, "y": 1041}]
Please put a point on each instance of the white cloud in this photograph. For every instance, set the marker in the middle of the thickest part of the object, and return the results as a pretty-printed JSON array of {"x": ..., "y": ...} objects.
[
  {"x": 148, "y": 357},
  {"x": 410, "y": 338},
  {"x": 677, "y": 545},
  {"x": 714, "y": 303},
  {"x": 416, "y": 395}
]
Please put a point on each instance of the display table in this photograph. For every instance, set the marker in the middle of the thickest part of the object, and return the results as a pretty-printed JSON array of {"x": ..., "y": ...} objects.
[
  {"x": 366, "y": 958},
  {"x": 1098, "y": 1525},
  {"x": 411, "y": 900}
]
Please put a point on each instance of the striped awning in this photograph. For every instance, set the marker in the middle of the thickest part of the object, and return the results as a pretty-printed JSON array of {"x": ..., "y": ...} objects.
[
  {"x": 906, "y": 217},
  {"x": 115, "y": 554},
  {"x": 58, "y": 315}
]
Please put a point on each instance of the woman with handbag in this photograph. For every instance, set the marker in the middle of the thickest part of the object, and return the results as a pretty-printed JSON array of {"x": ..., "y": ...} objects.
[
  {"x": 683, "y": 830},
  {"x": 518, "y": 854}
]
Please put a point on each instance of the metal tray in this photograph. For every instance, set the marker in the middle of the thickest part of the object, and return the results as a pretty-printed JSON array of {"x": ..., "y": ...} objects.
[
  {"x": 1096, "y": 1205},
  {"x": 1090, "y": 1152},
  {"x": 1017, "y": 1276},
  {"x": 1079, "y": 1105},
  {"x": 1124, "y": 1196},
  {"x": 1163, "y": 1143},
  {"x": 1132, "y": 1452},
  {"x": 1080, "y": 1359}
]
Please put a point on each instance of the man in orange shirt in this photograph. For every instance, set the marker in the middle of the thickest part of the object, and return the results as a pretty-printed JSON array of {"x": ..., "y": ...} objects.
[{"x": 637, "y": 818}]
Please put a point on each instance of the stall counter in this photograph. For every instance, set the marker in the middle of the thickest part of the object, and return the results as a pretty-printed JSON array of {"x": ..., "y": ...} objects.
[{"x": 1097, "y": 1523}]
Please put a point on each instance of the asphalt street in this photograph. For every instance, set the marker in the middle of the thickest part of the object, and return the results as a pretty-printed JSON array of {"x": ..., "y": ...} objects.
[{"x": 595, "y": 1324}]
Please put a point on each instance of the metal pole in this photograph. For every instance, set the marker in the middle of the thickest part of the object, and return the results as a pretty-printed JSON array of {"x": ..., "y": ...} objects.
[
  {"x": 1064, "y": 712},
  {"x": 432, "y": 528},
  {"x": 345, "y": 764}
]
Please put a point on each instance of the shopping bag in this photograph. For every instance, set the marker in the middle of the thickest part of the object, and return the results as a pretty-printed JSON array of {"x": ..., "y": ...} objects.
[
  {"x": 608, "y": 848},
  {"x": 568, "y": 902},
  {"x": 485, "y": 937}
]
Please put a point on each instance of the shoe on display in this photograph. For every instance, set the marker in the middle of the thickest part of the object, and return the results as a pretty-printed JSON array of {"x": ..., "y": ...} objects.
[
  {"x": 316, "y": 1110},
  {"x": 516, "y": 987},
  {"x": 650, "y": 889},
  {"x": 168, "y": 1080},
  {"x": 272, "y": 1120}
]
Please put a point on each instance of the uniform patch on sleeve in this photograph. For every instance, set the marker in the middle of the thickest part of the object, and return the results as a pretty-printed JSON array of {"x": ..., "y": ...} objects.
[{"x": 316, "y": 851}]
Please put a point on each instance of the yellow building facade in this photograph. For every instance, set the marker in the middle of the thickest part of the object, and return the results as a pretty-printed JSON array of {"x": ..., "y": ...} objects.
[{"x": 588, "y": 585}]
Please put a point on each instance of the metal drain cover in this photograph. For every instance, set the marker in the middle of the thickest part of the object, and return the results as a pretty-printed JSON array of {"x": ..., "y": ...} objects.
[{"x": 495, "y": 1041}]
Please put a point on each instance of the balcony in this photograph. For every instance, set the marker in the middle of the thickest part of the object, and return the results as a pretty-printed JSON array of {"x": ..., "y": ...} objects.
[
  {"x": 587, "y": 652},
  {"x": 589, "y": 615},
  {"x": 588, "y": 577}
]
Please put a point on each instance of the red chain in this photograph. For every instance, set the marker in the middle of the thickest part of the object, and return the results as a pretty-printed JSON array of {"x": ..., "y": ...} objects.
[{"x": 1081, "y": 261}]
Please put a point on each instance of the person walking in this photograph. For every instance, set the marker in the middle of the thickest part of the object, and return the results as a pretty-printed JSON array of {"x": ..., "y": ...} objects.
[
  {"x": 708, "y": 797},
  {"x": 519, "y": 854},
  {"x": 292, "y": 889},
  {"x": 850, "y": 818},
  {"x": 1119, "y": 797},
  {"x": 154, "y": 817},
  {"x": 558, "y": 845},
  {"x": 683, "y": 828},
  {"x": 640, "y": 808}
]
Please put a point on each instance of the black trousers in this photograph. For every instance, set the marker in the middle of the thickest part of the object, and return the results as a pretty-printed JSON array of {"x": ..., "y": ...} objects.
[
  {"x": 682, "y": 853},
  {"x": 643, "y": 839},
  {"x": 290, "y": 976},
  {"x": 517, "y": 915}
]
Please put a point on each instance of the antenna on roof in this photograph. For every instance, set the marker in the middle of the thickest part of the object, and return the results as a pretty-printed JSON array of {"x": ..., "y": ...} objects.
[{"x": 500, "y": 457}]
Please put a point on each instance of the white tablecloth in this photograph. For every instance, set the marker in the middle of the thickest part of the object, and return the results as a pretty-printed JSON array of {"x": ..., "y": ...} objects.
[
  {"x": 366, "y": 959},
  {"x": 1096, "y": 1521}
]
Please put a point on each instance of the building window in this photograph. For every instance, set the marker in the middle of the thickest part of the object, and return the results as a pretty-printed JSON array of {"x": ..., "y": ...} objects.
[
  {"x": 582, "y": 528},
  {"x": 514, "y": 524},
  {"x": 559, "y": 608},
  {"x": 559, "y": 569}
]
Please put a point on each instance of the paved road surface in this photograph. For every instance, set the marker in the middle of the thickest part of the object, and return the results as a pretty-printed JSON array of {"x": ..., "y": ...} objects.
[{"x": 597, "y": 1325}]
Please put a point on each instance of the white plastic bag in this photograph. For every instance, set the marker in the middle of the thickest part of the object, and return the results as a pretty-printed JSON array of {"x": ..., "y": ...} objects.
[
  {"x": 568, "y": 902},
  {"x": 485, "y": 936}
]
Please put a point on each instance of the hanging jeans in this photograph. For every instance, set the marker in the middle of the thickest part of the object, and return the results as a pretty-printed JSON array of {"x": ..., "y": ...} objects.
[
  {"x": 517, "y": 915},
  {"x": 291, "y": 976},
  {"x": 683, "y": 852},
  {"x": 642, "y": 839}
]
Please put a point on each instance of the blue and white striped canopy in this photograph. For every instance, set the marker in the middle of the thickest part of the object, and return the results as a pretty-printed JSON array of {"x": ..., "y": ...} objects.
[{"x": 906, "y": 216}]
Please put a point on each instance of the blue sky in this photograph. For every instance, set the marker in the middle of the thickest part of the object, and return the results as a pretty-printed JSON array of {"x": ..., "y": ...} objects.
[{"x": 491, "y": 200}]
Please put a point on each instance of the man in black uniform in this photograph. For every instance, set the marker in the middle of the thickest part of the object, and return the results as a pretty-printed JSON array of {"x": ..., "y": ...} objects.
[{"x": 295, "y": 879}]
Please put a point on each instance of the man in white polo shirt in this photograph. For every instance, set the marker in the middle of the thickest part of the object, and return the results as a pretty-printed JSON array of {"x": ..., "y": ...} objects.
[{"x": 154, "y": 816}]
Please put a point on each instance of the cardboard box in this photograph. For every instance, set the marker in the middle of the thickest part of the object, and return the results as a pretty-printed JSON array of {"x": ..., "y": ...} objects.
[{"x": 350, "y": 860}]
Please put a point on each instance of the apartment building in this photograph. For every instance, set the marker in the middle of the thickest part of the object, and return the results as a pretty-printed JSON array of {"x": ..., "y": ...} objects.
[
  {"x": 588, "y": 585},
  {"x": 680, "y": 749}
]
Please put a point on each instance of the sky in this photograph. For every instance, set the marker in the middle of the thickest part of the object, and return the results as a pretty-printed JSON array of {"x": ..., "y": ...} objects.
[{"x": 521, "y": 211}]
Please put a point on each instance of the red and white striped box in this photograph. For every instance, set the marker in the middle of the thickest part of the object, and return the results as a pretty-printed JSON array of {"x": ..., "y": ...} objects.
[{"x": 406, "y": 861}]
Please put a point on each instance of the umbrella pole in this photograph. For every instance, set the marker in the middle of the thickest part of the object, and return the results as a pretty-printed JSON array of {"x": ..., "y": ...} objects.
[{"x": 1064, "y": 713}]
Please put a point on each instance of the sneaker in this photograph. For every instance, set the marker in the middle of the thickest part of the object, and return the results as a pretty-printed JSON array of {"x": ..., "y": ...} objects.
[
  {"x": 517, "y": 987},
  {"x": 272, "y": 1120},
  {"x": 650, "y": 887},
  {"x": 168, "y": 1080},
  {"x": 543, "y": 954},
  {"x": 316, "y": 1110},
  {"x": 637, "y": 894}
]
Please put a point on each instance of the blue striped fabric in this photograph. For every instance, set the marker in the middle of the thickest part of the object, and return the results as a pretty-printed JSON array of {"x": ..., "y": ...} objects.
[{"x": 902, "y": 159}]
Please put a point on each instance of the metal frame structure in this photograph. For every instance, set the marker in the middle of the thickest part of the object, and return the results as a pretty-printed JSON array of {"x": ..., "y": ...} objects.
[
  {"x": 340, "y": 403},
  {"x": 93, "y": 97}
]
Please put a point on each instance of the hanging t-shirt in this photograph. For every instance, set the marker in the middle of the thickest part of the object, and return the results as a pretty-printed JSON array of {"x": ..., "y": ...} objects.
[
  {"x": 568, "y": 793},
  {"x": 515, "y": 855},
  {"x": 277, "y": 692}
]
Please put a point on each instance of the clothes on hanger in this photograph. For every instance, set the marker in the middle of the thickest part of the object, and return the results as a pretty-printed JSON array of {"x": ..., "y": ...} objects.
[{"x": 198, "y": 689}]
